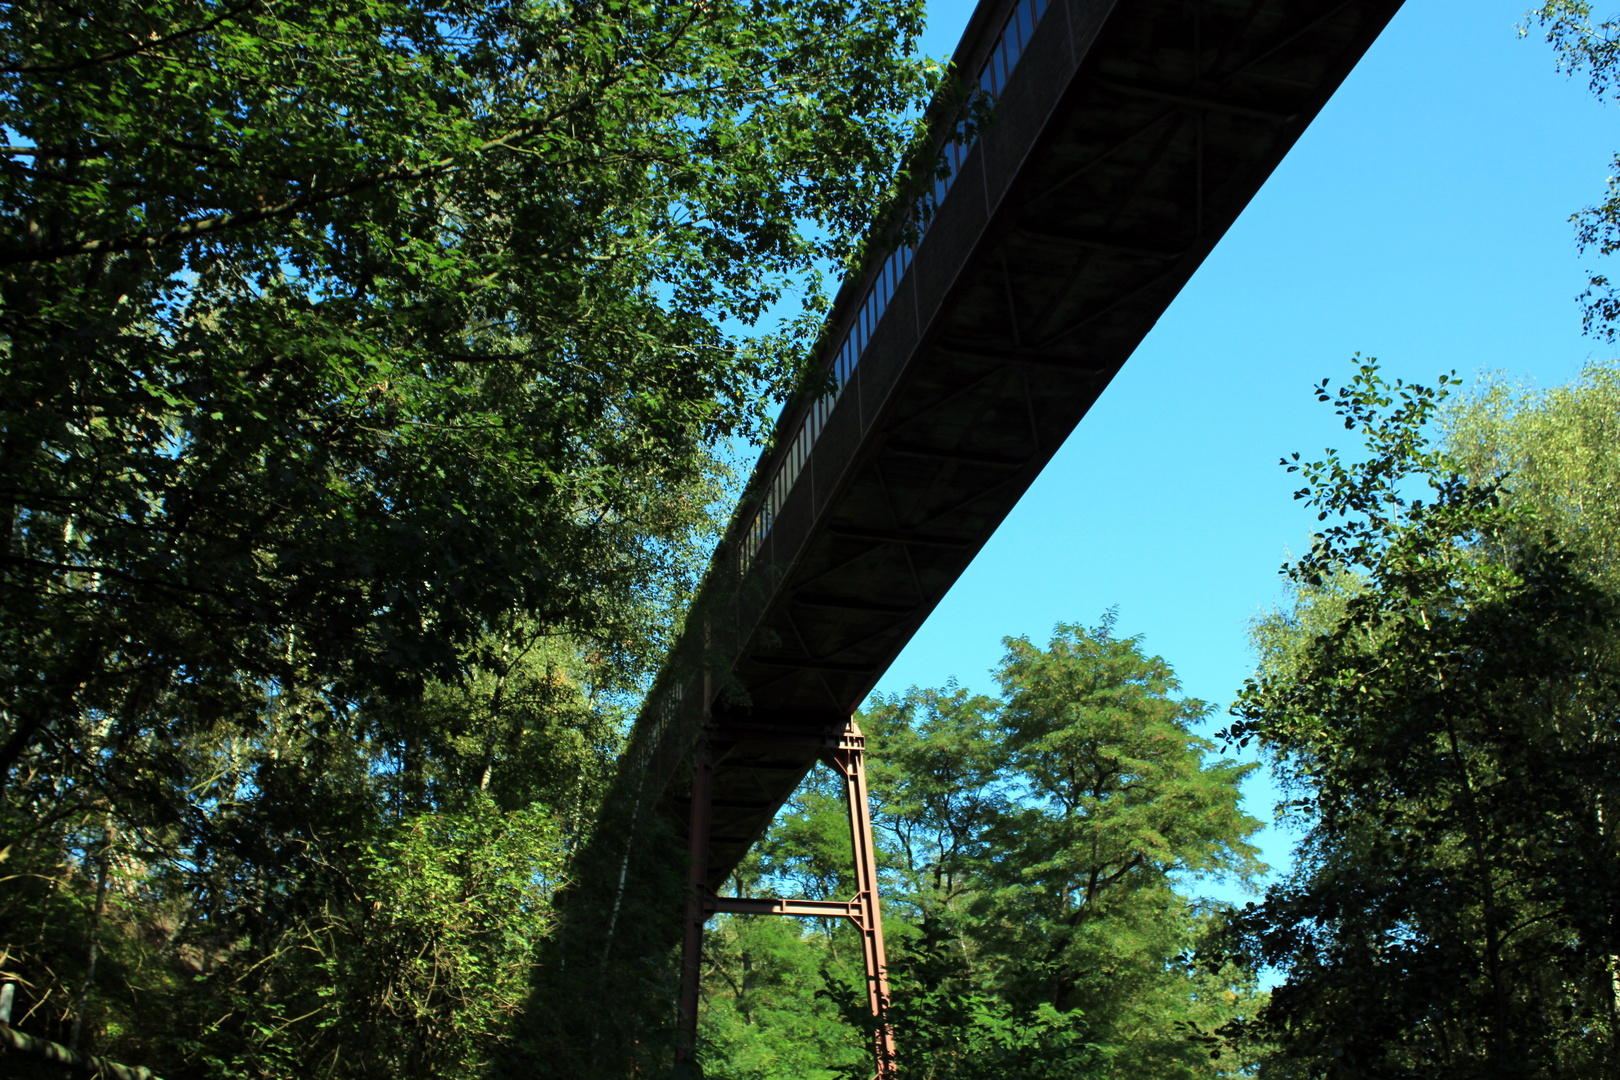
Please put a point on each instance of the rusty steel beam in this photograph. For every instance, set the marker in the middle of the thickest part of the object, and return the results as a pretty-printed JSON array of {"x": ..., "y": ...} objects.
[
  {"x": 771, "y": 905},
  {"x": 849, "y": 759},
  {"x": 845, "y": 753}
]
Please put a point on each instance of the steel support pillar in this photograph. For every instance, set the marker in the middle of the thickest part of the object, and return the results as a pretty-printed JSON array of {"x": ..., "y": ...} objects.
[
  {"x": 849, "y": 759},
  {"x": 846, "y": 754}
]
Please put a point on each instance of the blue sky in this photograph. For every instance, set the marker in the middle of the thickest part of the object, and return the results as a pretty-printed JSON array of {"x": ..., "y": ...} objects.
[{"x": 1424, "y": 220}]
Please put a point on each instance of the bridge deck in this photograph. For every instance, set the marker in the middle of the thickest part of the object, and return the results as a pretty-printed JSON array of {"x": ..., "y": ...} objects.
[{"x": 1127, "y": 138}]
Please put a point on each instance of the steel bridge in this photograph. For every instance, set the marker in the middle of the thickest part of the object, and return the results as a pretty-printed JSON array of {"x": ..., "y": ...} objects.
[{"x": 1126, "y": 137}]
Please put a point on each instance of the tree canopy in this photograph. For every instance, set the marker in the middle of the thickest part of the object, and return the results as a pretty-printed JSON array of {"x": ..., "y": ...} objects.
[
  {"x": 363, "y": 368},
  {"x": 1443, "y": 704},
  {"x": 1038, "y": 849},
  {"x": 338, "y": 331}
]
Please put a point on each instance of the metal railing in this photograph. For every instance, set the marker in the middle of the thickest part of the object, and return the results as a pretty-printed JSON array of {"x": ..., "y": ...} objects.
[{"x": 998, "y": 67}]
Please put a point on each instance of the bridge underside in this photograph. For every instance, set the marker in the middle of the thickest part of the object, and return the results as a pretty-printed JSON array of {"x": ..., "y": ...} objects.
[{"x": 1128, "y": 140}]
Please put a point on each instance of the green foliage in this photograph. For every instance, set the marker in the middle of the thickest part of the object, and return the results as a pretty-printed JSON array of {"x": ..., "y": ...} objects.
[
  {"x": 1033, "y": 849},
  {"x": 333, "y": 334},
  {"x": 361, "y": 366},
  {"x": 418, "y": 956},
  {"x": 48, "y": 907},
  {"x": 937, "y": 768},
  {"x": 1445, "y": 704},
  {"x": 808, "y": 850},
  {"x": 784, "y": 997},
  {"x": 322, "y": 900},
  {"x": 981, "y": 1037},
  {"x": 1589, "y": 48},
  {"x": 1554, "y": 453},
  {"x": 1119, "y": 802},
  {"x": 768, "y": 1008}
]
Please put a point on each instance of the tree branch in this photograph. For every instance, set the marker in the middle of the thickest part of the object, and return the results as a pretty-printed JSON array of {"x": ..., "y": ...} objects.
[{"x": 133, "y": 50}]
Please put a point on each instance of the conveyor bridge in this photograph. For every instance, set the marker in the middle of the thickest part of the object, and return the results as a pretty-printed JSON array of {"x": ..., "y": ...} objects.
[{"x": 1126, "y": 137}]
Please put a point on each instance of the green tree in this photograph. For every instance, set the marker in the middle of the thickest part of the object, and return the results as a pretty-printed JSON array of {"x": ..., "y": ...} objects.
[
  {"x": 362, "y": 365},
  {"x": 334, "y": 332},
  {"x": 412, "y": 964},
  {"x": 1443, "y": 706},
  {"x": 937, "y": 769},
  {"x": 1035, "y": 851},
  {"x": 324, "y": 900},
  {"x": 1554, "y": 453},
  {"x": 1121, "y": 802},
  {"x": 773, "y": 988}
]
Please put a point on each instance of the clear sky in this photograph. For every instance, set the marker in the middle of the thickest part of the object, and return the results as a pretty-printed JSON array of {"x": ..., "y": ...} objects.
[{"x": 1422, "y": 219}]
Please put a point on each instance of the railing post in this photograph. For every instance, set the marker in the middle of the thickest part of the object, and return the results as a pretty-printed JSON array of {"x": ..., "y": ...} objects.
[
  {"x": 697, "y": 909},
  {"x": 850, "y": 761}
]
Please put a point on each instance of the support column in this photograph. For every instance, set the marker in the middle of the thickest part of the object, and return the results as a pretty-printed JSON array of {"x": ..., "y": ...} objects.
[
  {"x": 697, "y": 910},
  {"x": 849, "y": 759},
  {"x": 846, "y": 754}
]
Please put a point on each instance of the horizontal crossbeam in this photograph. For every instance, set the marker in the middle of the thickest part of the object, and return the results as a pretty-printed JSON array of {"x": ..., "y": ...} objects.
[
  {"x": 748, "y": 905},
  {"x": 835, "y": 741}
]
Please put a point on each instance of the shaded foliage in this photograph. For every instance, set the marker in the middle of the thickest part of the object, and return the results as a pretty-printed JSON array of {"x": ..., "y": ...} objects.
[
  {"x": 1444, "y": 706},
  {"x": 361, "y": 370}
]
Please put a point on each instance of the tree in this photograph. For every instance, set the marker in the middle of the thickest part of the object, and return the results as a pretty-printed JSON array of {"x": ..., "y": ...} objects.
[
  {"x": 1443, "y": 707},
  {"x": 363, "y": 364},
  {"x": 939, "y": 777},
  {"x": 324, "y": 899},
  {"x": 1553, "y": 453},
  {"x": 334, "y": 333},
  {"x": 773, "y": 995},
  {"x": 1118, "y": 803},
  {"x": 1034, "y": 850}
]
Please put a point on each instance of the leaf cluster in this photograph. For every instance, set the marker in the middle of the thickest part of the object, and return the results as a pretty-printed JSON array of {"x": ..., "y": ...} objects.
[{"x": 1589, "y": 47}]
